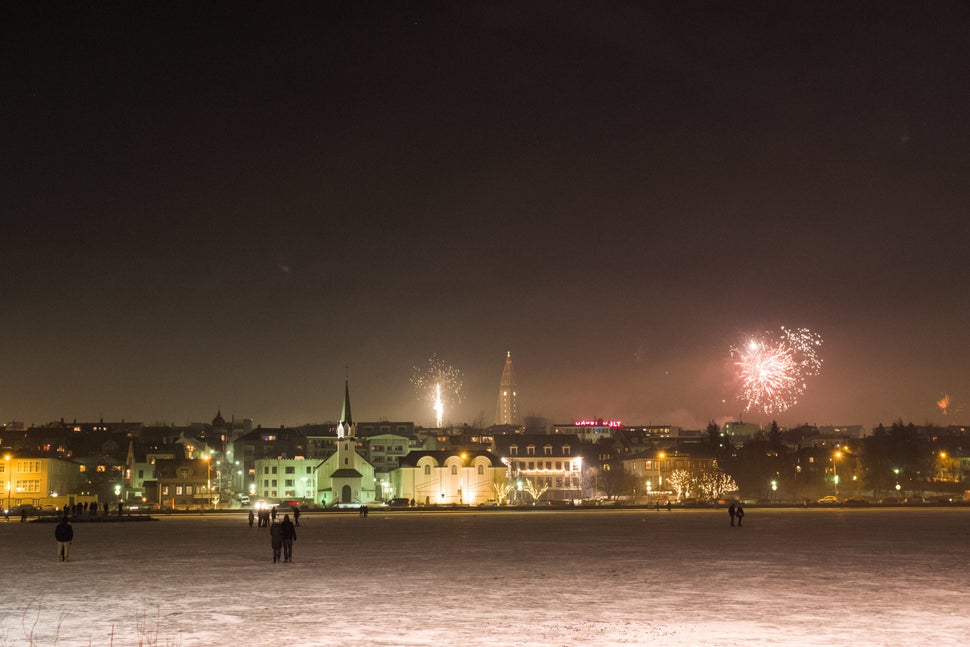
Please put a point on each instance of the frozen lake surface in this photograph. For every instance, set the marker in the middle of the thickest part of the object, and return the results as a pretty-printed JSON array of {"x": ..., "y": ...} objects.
[{"x": 598, "y": 577}]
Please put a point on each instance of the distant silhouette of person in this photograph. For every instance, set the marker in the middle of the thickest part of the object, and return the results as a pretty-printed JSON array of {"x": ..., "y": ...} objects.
[
  {"x": 275, "y": 540},
  {"x": 732, "y": 511},
  {"x": 23, "y": 514},
  {"x": 106, "y": 508},
  {"x": 64, "y": 534},
  {"x": 668, "y": 505},
  {"x": 288, "y": 536},
  {"x": 739, "y": 513},
  {"x": 272, "y": 514},
  {"x": 121, "y": 509},
  {"x": 296, "y": 515},
  {"x": 251, "y": 518}
]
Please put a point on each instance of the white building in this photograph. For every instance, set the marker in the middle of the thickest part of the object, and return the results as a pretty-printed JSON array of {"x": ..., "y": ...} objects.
[{"x": 448, "y": 478}]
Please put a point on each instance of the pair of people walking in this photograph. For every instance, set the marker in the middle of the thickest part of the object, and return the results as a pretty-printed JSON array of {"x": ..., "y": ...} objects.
[
  {"x": 737, "y": 514},
  {"x": 281, "y": 536}
]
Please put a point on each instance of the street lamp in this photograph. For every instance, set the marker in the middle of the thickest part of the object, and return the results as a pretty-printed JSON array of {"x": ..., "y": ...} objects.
[
  {"x": 6, "y": 468},
  {"x": 835, "y": 471},
  {"x": 208, "y": 477}
]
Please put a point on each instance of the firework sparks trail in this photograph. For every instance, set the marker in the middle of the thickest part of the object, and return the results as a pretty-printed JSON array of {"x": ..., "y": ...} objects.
[
  {"x": 437, "y": 384},
  {"x": 774, "y": 367}
]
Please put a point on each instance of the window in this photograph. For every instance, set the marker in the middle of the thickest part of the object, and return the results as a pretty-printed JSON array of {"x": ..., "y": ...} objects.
[
  {"x": 290, "y": 469},
  {"x": 454, "y": 469},
  {"x": 266, "y": 469},
  {"x": 566, "y": 450},
  {"x": 164, "y": 490},
  {"x": 288, "y": 483},
  {"x": 178, "y": 490},
  {"x": 427, "y": 470},
  {"x": 188, "y": 489},
  {"x": 547, "y": 450},
  {"x": 513, "y": 450},
  {"x": 481, "y": 470},
  {"x": 309, "y": 470},
  {"x": 530, "y": 450},
  {"x": 273, "y": 470},
  {"x": 558, "y": 465},
  {"x": 532, "y": 465}
]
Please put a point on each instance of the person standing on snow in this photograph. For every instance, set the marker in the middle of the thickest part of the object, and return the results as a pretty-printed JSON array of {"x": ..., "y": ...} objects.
[
  {"x": 275, "y": 540},
  {"x": 288, "y": 536},
  {"x": 64, "y": 534}
]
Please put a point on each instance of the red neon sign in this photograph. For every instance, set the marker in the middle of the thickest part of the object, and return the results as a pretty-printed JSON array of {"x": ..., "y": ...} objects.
[{"x": 612, "y": 424}]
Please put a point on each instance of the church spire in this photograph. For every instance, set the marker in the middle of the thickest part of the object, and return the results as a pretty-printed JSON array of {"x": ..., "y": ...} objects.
[
  {"x": 508, "y": 397},
  {"x": 346, "y": 426}
]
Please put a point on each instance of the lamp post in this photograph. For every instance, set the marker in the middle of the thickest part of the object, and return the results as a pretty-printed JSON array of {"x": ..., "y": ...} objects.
[
  {"x": 208, "y": 477},
  {"x": 6, "y": 468},
  {"x": 835, "y": 471}
]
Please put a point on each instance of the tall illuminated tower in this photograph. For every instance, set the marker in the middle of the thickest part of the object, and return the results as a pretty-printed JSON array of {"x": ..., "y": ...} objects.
[{"x": 508, "y": 397}]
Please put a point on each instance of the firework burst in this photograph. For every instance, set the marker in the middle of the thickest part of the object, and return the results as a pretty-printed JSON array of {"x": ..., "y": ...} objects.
[
  {"x": 945, "y": 405},
  {"x": 773, "y": 368},
  {"x": 437, "y": 384}
]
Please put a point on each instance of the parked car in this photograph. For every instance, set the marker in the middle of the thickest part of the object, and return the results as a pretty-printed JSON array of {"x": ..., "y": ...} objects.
[
  {"x": 490, "y": 503},
  {"x": 857, "y": 501},
  {"x": 399, "y": 502},
  {"x": 829, "y": 500}
]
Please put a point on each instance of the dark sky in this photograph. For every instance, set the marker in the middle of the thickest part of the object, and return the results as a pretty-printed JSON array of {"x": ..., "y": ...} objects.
[{"x": 223, "y": 206}]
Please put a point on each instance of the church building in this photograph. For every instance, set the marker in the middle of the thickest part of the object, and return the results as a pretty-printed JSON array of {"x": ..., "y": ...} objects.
[{"x": 345, "y": 477}]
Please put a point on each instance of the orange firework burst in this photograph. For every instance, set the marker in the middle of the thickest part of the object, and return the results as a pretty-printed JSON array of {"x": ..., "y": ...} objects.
[{"x": 944, "y": 404}]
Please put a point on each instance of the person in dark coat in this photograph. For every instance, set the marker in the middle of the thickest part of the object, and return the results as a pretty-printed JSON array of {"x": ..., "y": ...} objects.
[
  {"x": 296, "y": 516},
  {"x": 251, "y": 517},
  {"x": 732, "y": 511},
  {"x": 275, "y": 540},
  {"x": 739, "y": 514},
  {"x": 288, "y": 536},
  {"x": 64, "y": 534}
]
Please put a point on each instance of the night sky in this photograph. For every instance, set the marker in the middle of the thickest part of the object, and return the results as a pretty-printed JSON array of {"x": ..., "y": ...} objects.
[{"x": 223, "y": 206}]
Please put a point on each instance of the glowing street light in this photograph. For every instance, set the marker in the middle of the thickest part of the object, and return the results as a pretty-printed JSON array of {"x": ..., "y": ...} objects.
[
  {"x": 6, "y": 458},
  {"x": 835, "y": 471}
]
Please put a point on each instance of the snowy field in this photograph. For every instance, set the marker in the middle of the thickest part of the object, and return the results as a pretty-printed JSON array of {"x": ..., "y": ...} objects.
[{"x": 598, "y": 577}]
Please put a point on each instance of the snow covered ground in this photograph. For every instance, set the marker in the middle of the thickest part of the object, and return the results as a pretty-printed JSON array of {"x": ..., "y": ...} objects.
[{"x": 599, "y": 577}]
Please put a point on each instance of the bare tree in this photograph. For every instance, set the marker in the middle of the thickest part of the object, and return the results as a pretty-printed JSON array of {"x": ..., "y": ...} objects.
[
  {"x": 502, "y": 491},
  {"x": 536, "y": 487}
]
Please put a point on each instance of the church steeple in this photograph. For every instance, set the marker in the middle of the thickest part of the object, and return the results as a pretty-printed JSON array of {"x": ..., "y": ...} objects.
[
  {"x": 346, "y": 427},
  {"x": 508, "y": 397}
]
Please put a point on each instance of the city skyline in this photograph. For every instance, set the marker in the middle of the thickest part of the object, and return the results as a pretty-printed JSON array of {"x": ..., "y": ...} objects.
[{"x": 235, "y": 209}]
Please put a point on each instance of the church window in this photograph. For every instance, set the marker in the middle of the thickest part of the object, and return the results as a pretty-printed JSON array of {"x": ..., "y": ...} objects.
[
  {"x": 427, "y": 470},
  {"x": 454, "y": 469},
  {"x": 481, "y": 469},
  {"x": 346, "y": 461}
]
